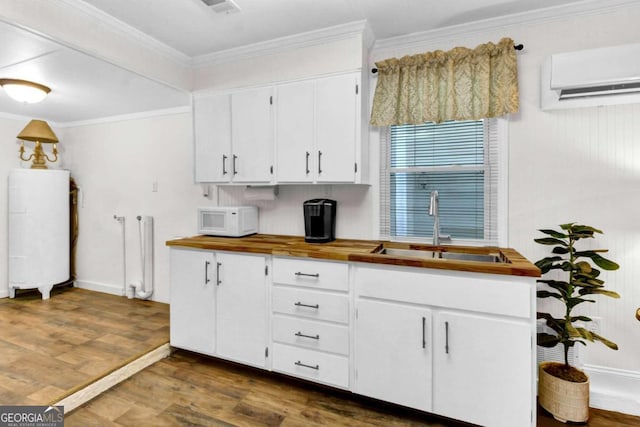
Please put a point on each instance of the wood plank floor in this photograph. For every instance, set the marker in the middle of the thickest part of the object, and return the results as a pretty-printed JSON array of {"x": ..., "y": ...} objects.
[
  {"x": 49, "y": 349},
  {"x": 191, "y": 390}
]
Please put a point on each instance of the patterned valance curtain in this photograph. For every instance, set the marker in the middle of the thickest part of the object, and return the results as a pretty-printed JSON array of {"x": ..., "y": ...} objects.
[{"x": 461, "y": 84}]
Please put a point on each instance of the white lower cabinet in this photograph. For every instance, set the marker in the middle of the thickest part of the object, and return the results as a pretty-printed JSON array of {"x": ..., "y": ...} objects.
[
  {"x": 422, "y": 341},
  {"x": 393, "y": 353},
  {"x": 192, "y": 309},
  {"x": 219, "y": 304},
  {"x": 241, "y": 308},
  {"x": 482, "y": 369},
  {"x": 458, "y": 344}
]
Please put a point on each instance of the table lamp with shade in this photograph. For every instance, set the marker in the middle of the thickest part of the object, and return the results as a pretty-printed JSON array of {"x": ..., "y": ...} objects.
[{"x": 39, "y": 132}]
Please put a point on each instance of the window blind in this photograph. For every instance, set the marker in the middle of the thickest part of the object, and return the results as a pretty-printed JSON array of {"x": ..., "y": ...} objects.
[{"x": 457, "y": 158}]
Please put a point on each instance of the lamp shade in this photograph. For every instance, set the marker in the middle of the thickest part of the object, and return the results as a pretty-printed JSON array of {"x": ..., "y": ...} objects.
[
  {"x": 24, "y": 91},
  {"x": 38, "y": 130}
]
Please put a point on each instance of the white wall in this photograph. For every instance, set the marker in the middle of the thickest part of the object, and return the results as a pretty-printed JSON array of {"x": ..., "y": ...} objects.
[{"x": 115, "y": 166}]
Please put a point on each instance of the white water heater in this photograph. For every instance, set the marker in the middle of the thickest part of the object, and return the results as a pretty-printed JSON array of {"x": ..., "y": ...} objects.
[{"x": 38, "y": 229}]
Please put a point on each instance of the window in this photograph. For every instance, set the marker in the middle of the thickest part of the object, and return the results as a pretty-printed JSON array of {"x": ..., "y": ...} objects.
[{"x": 460, "y": 160}]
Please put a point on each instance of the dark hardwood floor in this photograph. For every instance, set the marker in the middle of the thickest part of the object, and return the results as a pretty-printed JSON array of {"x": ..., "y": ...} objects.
[
  {"x": 51, "y": 348},
  {"x": 187, "y": 389}
]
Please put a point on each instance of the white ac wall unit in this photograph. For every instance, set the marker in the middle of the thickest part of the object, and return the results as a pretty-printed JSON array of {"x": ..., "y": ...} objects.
[{"x": 593, "y": 77}]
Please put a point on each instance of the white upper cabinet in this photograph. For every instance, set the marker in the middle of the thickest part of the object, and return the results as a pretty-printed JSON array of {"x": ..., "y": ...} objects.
[
  {"x": 318, "y": 130},
  {"x": 295, "y": 132},
  {"x": 252, "y": 135},
  {"x": 313, "y": 126},
  {"x": 212, "y": 131},
  {"x": 337, "y": 128}
]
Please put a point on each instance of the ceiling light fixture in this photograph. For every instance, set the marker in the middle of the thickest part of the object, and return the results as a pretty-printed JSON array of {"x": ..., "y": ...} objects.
[{"x": 24, "y": 91}]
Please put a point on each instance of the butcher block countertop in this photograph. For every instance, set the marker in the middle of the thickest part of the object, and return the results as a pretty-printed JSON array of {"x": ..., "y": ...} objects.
[{"x": 512, "y": 263}]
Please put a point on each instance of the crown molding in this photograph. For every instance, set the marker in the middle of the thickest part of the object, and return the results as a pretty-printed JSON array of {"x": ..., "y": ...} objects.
[
  {"x": 126, "y": 117},
  {"x": 136, "y": 35},
  {"x": 554, "y": 13},
  {"x": 296, "y": 41}
]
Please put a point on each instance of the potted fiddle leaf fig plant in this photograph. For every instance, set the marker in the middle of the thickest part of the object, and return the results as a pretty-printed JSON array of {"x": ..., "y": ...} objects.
[{"x": 563, "y": 390}]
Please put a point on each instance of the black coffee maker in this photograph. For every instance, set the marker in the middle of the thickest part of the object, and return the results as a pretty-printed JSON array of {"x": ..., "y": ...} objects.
[{"x": 319, "y": 220}]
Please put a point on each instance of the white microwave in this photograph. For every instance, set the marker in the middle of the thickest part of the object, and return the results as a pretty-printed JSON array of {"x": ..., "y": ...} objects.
[{"x": 229, "y": 221}]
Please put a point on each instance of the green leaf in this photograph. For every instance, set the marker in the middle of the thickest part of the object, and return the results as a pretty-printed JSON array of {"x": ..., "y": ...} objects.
[
  {"x": 581, "y": 318},
  {"x": 547, "y": 340},
  {"x": 604, "y": 263},
  {"x": 585, "y": 228},
  {"x": 550, "y": 241},
  {"x": 560, "y": 250},
  {"x": 605, "y": 341},
  {"x": 584, "y": 267},
  {"x": 599, "y": 291},
  {"x": 600, "y": 261},
  {"x": 554, "y": 233},
  {"x": 546, "y": 294},
  {"x": 571, "y": 330},
  {"x": 585, "y": 333},
  {"x": 567, "y": 227},
  {"x": 572, "y": 302}
]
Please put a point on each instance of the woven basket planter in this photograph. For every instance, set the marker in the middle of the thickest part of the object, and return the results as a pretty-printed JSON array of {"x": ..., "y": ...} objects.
[{"x": 565, "y": 400}]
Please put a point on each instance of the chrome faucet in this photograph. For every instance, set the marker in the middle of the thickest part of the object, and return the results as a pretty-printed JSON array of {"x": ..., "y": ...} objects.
[{"x": 434, "y": 211}]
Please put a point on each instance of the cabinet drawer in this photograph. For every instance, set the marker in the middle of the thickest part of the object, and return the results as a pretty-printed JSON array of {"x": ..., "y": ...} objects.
[
  {"x": 311, "y": 334},
  {"x": 313, "y": 365},
  {"x": 311, "y": 304},
  {"x": 312, "y": 274}
]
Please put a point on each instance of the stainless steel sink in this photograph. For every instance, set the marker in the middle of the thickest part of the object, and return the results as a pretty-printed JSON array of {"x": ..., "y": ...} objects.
[
  {"x": 460, "y": 256},
  {"x": 410, "y": 252}
]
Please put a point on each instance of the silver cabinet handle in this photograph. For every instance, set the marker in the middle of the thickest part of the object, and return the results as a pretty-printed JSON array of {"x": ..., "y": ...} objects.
[
  {"x": 319, "y": 161},
  {"x": 299, "y": 363},
  {"x": 224, "y": 164},
  {"x": 316, "y": 275},
  {"x": 299, "y": 304},
  {"x": 424, "y": 337},
  {"x": 206, "y": 272},
  {"x": 446, "y": 337},
  {"x": 218, "y": 281},
  {"x": 308, "y": 154},
  {"x": 313, "y": 337},
  {"x": 235, "y": 170}
]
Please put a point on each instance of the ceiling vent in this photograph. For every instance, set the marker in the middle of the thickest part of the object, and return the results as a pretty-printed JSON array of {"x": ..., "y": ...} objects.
[
  {"x": 593, "y": 77},
  {"x": 222, "y": 6}
]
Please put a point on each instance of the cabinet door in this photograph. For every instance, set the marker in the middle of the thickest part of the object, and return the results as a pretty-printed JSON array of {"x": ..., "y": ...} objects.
[
  {"x": 393, "y": 353},
  {"x": 337, "y": 121},
  {"x": 192, "y": 308},
  {"x": 242, "y": 308},
  {"x": 212, "y": 135},
  {"x": 295, "y": 160},
  {"x": 252, "y": 135},
  {"x": 482, "y": 369}
]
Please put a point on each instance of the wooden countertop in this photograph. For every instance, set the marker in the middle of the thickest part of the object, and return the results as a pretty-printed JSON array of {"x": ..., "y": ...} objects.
[{"x": 513, "y": 263}]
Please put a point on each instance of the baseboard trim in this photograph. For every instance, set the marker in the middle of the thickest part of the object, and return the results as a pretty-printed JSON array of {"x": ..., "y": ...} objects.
[
  {"x": 614, "y": 389},
  {"x": 98, "y": 387},
  {"x": 107, "y": 288}
]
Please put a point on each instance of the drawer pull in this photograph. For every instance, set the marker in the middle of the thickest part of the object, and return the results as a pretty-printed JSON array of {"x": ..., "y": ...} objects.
[
  {"x": 299, "y": 363},
  {"x": 424, "y": 338},
  {"x": 299, "y": 304},
  {"x": 316, "y": 275},
  {"x": 313, "y": 337}
]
